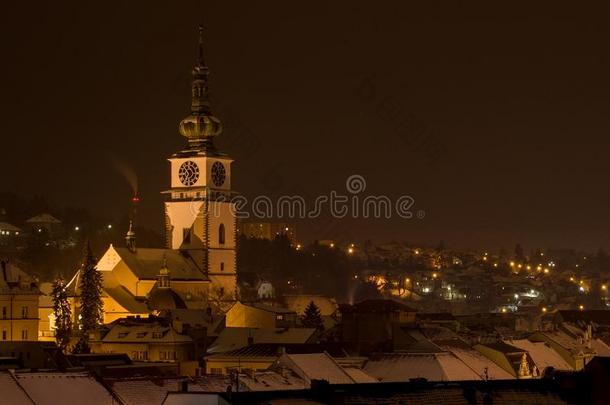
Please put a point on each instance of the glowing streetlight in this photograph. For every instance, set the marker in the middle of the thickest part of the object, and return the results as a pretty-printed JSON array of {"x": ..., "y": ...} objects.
[{"x": 581, "y": 307}]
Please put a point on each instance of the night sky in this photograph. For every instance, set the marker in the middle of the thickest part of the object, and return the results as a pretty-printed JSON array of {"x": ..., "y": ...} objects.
[{"x": 514, "y": 101}]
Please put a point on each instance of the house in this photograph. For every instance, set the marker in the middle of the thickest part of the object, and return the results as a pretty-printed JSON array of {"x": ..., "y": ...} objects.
[
  {"x": 573, "y": 349},
  {"x": 255, "y": 315},
  {"x": 45, "y": 224},
  {"x": 18, "y": 304},
  {"x": 374, "y": 325},
  {"x": 145, "y": 339}
]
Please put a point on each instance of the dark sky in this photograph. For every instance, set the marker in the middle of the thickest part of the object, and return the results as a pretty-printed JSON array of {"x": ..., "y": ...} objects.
[{"x": 514, "y": 100}]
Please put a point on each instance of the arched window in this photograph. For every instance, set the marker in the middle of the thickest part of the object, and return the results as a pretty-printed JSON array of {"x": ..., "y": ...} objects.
[{"x": 221, "y": 234}]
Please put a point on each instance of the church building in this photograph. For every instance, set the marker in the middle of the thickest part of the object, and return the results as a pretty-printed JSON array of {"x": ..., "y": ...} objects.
[{"x": 197, "y": 268}]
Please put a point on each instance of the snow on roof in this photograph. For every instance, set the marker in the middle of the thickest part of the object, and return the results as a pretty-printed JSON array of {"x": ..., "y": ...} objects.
[
  {"x": 397, "y": 367},
  {"x": 64, "y": 388},
  {"x": 152, "y": 390},
  {"x": 145, "y": 263},
  {"x": 601, "y": 349},
  {"x": 11, "y": 392},
  {"x": 43, "y": 219},
  {"x": 478, "y": 363},
  {"x": 316, "y": 366},
  {"x": 543, "y": 355},
  {"x": 5, "y": 226},
  {"x": 236, "y": 338},
  {"x": 359, "y": 376},
  {"x": 271, "y": 381}
]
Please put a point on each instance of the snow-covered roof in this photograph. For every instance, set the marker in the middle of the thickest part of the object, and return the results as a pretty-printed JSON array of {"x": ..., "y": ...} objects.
[
  {"x": 397, "y": 367},
  {"x": 11, "y": 392},
  {"x": 43, "y": 219},
  {"x": 316, "y": 366},
  {"x": 64, "y": 388},
  {"x": 543, "y": 355},
  {"x": 235, "y": 338},
  {"x": 153, "y": 390},
  {"x": 480, "y": 364},
  {"x": 5, "y": 226},
  {"x": 271, "y": 381}
]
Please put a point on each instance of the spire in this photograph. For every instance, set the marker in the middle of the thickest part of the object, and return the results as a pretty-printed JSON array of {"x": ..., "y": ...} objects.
[
  {"x": 200, "y": 127},
  {"x": 130, "y": 238},
  {"x": 200, "y": 61}
]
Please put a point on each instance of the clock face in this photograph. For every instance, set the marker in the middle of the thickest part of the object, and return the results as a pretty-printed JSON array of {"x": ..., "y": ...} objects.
[
  {"x": 218, "y": 174},
  {"x": 188, "y": 173}
]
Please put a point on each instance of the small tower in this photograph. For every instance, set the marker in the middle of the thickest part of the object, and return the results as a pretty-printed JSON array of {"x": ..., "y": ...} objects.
[
  {"x": 524, "y": 368},
  {"x": 164, "y": 275},
  {"x": 130, "y": 238}
]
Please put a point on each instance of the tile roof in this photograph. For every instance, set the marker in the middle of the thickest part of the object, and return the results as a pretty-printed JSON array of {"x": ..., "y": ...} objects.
[
  {"x": 398, "y": 367},
  {"x": 316, "y": 366},
  {"x": 146, "y": 263},
  {"x": 236, "y": 338},
  {"x": 64, "y": 388}
]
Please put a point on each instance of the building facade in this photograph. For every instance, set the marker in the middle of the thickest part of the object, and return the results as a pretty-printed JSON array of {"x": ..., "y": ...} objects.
[{"x": 18, "y": 305}]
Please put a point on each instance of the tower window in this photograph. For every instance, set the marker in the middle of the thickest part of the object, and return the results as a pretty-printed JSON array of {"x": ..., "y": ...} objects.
[
  {"x": 24, "y": 334},
  {"x": 186, "y": 235},
  {"x": 221, "y": 234},
  {"x": 24, "y": 312},
  {"x": 222, "y": 266}
]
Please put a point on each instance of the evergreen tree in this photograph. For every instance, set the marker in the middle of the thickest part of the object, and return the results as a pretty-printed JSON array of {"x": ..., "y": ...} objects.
[
  {"x": 91, "y": 305},
  {"x": 312, "y": 317},
  {"x": 63, "y": 314}
]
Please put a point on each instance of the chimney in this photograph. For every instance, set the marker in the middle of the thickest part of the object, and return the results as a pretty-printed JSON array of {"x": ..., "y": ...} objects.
[{"x": 130, "y": 238}]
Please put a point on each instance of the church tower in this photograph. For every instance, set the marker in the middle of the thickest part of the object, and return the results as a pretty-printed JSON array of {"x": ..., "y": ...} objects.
[{"x": 199, "y": 215}]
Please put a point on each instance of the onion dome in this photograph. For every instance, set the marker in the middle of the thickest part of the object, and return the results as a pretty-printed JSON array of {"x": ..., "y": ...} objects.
[
  {"x": 165, "y": 298},
  {"x": 200, "y": 126}
]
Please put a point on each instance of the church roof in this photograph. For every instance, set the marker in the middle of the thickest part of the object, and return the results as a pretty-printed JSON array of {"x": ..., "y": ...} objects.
[{"x": 145, "y": 263}]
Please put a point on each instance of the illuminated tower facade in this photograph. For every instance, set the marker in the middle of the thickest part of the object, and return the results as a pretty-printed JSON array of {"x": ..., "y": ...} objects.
[{"x": 199, "y": 215}]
